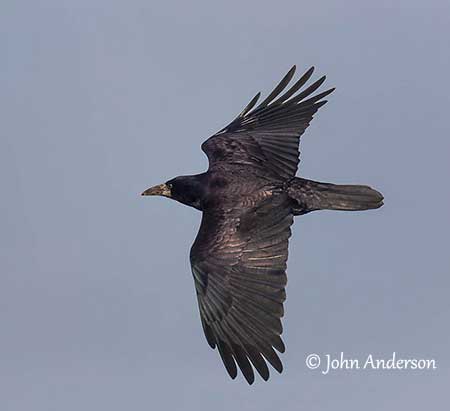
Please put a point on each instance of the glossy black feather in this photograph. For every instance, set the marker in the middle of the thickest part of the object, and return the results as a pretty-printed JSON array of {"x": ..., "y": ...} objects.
[
  {"x": 244, "y": 293},
  {"x": 278, "y": 123}
]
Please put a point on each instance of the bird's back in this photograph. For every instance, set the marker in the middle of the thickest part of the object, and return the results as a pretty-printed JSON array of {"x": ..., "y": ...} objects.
[{"x": 239, "y": 186}]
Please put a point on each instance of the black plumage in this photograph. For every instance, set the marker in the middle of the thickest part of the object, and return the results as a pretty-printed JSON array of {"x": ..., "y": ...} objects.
[{"x": 249, "y": 197}]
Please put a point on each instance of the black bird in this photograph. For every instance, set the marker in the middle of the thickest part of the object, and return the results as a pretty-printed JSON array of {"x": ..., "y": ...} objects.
[{"x": 249, "y": 197}]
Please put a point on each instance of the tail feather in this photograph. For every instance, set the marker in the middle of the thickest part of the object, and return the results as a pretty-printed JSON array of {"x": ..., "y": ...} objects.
[{"x": 312, "y": 195}]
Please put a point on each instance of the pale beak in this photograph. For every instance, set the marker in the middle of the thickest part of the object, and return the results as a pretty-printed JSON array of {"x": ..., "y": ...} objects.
[{"x": 159, "y": 190}]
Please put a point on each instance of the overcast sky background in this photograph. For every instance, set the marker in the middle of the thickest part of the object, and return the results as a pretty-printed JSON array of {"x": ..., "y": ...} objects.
[{"x": 102, "y": 99}]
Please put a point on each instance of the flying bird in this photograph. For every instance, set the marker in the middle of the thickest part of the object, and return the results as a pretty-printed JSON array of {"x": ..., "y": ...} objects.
[{"x": 249, "y": 197}]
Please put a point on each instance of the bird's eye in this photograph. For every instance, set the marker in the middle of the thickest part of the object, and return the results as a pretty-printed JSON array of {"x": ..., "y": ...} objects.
[{"x": 169, "y": 185}]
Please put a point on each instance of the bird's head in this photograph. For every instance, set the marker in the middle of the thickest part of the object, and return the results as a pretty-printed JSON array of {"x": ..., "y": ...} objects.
[{"x": 185, "y": 189}]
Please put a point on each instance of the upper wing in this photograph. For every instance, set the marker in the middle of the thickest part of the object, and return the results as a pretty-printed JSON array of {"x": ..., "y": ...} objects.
[
  {"x": 269, "y": 135},
  {"x": 239, "y": 265}
]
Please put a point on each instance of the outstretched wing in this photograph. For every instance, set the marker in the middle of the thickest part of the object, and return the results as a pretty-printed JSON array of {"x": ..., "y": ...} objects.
[
  {"x": 268, "y": 136},
  {"x": 239, "y": 266}
]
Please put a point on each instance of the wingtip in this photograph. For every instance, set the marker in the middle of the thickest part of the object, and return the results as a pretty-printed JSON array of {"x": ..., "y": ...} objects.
[
  {"x": 265, "y": 377},
  {"x": 250, "y": 379},
  {"x": 279, "y": 345}
]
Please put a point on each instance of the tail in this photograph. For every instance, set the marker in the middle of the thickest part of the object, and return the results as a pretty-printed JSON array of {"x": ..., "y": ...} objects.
[{"x": 312, "y": 195}]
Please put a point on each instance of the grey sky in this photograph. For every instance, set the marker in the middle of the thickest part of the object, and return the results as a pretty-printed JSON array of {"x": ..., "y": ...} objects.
[{"x": 101, "y": 99}]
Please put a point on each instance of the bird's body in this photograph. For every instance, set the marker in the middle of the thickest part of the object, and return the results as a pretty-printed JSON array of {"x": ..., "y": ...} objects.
[{"x": 248, "y": 198}]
